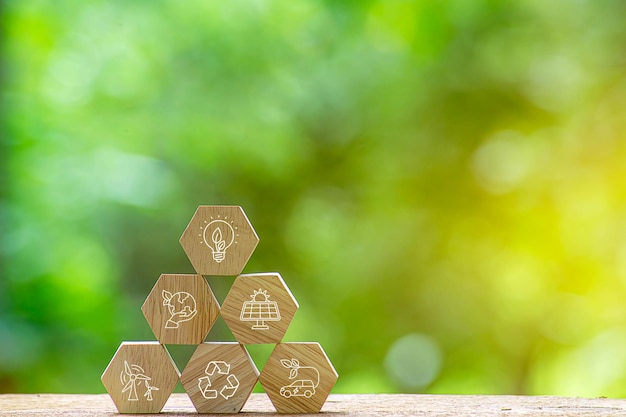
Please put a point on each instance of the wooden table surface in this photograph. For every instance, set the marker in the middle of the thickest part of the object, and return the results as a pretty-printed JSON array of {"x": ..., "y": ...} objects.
[{"x": 379, "y": 405}]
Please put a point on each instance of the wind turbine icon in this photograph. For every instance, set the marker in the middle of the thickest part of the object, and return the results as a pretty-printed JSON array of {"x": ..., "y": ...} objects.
[
  {"x": 149, "y": 389},
  {"x": 133, "y": 375}
]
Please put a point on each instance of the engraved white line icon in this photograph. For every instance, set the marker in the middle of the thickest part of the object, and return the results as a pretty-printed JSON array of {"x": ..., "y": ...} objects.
[
  {"x": 260, "y": 309},
  {"x": 303, "y": 387},
  {"x": 218, "y": 235},
  {"x": 181, "y": 306},
  {"x": 134, "y": 375},
  {"x": 213, "y": 369},
  {"x": 149, "y": 390}
]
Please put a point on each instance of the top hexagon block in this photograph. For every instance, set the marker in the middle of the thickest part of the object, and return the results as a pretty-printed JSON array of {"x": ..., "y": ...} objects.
[{"x": 219, "y": 240}]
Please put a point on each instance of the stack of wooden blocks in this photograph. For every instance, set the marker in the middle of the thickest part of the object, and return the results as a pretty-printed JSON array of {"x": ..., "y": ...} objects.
[{"x": 220, "y": 376}]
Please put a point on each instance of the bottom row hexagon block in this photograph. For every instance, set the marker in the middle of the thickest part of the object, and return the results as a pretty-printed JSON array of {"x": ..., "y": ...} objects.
[
  {"x": 140, "y": 377},
  {"x": 298, "y": 377},
  {"x": 219, "y": 377}
]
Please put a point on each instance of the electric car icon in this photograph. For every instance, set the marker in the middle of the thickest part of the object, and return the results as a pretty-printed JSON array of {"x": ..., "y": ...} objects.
[{"x": 299, "y": 388}]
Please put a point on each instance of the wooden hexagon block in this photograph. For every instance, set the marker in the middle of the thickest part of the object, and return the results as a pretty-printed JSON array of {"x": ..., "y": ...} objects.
[
  {"x": 140, "y": 377},
  {"x": 219, "y": 240},
  {"x": 298, "y": 377},
  {"x": 219, "y": 377},
  {"x": 181, "y": 309},
  {"x": 259, "y": 308}
]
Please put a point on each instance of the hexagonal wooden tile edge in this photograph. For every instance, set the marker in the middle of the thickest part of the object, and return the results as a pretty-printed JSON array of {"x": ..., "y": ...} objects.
[
  {"x": 181, "y": 309},
  {"x": 140, "y": 377},
  {"x": 219, "y": 240},
  {"x": 219, "y": 377},
  {"x": 259, "y": 308},
  {"x": 298, "y": 377}
]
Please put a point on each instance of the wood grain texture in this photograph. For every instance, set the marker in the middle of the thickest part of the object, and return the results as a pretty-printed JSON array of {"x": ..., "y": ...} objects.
[
  {"x": 255, "y": 294},
  {"x": 140, "y": 377},
  {"x": 337, "y": 405},
  {"x": 298, "y": 377},
  {"x": 219, "y": 240},
  {"x": 181, "y": 309},
  {"x": 208, "y": 377}
]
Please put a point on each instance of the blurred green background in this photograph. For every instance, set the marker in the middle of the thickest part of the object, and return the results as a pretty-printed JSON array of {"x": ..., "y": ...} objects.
[{"x": 440, "y": 183}]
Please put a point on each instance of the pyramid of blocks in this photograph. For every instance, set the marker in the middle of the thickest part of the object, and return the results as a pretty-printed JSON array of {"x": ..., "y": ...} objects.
[{"x": 220, "y": 376}]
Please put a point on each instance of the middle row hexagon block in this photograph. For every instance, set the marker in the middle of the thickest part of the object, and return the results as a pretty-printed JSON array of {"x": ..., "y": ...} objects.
[
  {"x": 181, "y": 309},
  {"x": 259, "y": 308}
]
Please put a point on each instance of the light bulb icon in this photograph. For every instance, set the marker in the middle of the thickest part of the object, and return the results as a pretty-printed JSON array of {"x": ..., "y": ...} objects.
[{"x": 218, "y": 235}]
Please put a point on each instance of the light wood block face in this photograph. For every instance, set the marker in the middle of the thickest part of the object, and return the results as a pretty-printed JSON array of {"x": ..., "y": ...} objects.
[
  {"x": 140, "y": 377},
  {"x": 181, "y": 309},
  {"x": 219, "y": 240},
  {"x": 298, "y": 377},
  {"x": 219, "y": 377},
  {"x": 259, "y": 308}
]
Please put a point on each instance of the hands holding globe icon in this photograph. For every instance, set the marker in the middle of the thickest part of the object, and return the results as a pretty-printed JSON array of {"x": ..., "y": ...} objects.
[{"x": 182, "y": 307}]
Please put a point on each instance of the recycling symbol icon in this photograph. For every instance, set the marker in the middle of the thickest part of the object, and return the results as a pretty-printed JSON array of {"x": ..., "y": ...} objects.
[{"x": 213, "y": 371}]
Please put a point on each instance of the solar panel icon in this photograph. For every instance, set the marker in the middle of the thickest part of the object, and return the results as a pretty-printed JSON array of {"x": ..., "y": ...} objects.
[{"x": 259, "y": 310}]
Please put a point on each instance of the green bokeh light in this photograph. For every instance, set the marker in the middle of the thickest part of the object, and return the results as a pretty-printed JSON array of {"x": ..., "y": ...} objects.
[{"x": 451, "y": 170}]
